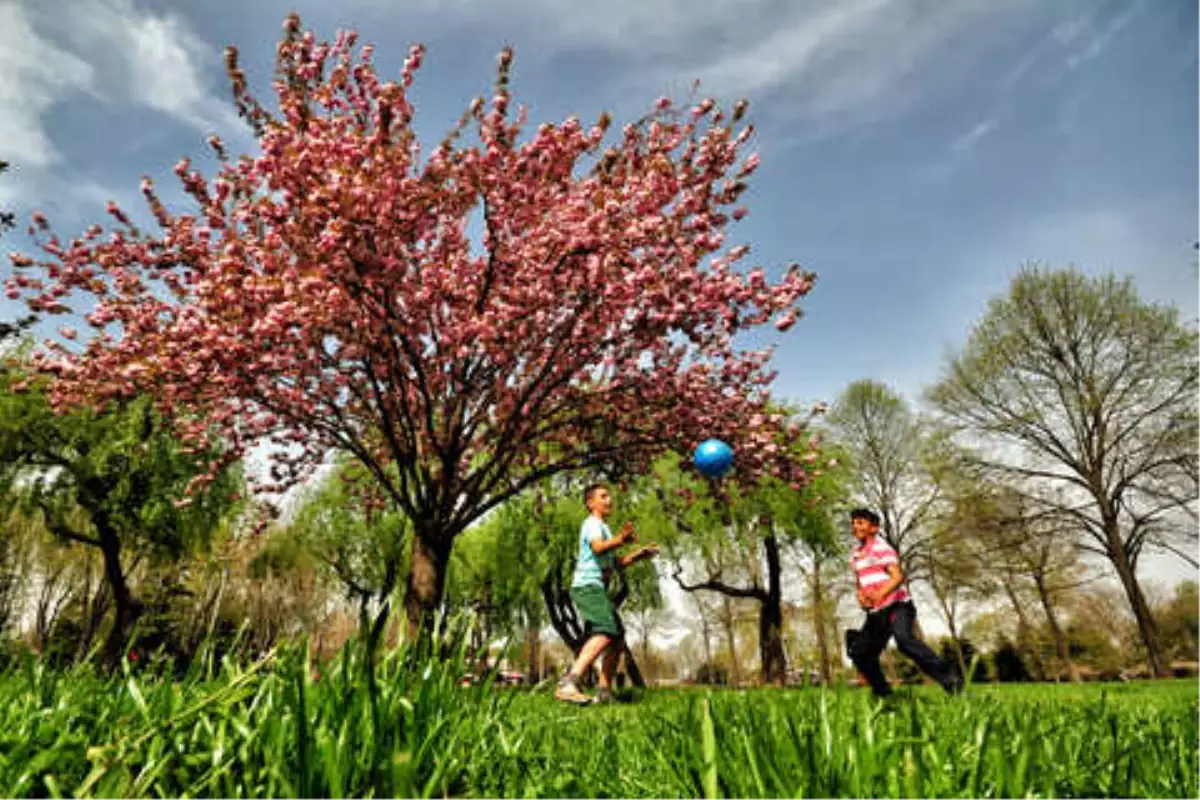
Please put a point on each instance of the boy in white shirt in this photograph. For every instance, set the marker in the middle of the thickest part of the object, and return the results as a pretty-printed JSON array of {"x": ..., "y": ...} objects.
[{"x": 589, "y": 591}]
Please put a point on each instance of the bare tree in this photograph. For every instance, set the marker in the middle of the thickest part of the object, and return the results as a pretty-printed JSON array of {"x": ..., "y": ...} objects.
[
  {"x": 885, "y": 441},
  {"x": 1088, "y": 395}
]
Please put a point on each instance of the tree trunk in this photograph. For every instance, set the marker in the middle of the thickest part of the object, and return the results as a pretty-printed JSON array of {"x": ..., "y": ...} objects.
[
  {"x": 426, "y": 581},
  {"x": 818, "y": 600},
  {"x": 1023, "y": 626},
  {"x": 562, "y": 614},
  {"x": 94, "y": 610},
  {"x": 1060, "y": 639},
  {"x": 956, "y": 638},
  {"x": 128, "y": 608},
  {"x": 705, "y": 631},
  {"x": 731, "y": 634},
  {"x": 770, "y": 619},
  {"x": 631, "y": 668},
  {"x": 1141, "y": 610},
  {"x": 533, "y": 646},
  {"x": 947, "y": 606}
]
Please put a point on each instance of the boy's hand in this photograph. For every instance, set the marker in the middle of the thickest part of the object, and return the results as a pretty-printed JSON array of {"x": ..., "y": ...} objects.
[
  {"x": 649, "y": 551},
  {"x": 627, "y": 533},
  {"x": 865, "y": 599}
]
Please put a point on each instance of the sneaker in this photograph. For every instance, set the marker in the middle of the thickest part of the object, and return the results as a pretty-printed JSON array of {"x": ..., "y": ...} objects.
[{"x": 568, "y": 692}]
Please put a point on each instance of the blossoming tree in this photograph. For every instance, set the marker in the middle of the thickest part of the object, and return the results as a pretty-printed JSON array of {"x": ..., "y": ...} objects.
[{"x": 328, "y": 295}]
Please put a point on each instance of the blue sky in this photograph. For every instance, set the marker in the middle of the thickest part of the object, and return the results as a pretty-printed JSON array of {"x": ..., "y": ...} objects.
[{"x": 914, "y": 154}]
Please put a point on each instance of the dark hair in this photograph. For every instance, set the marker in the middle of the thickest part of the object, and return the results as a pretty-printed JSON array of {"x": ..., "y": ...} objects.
[
  {"x": 865, "y": 513},
  {"x": 591, "y": 490}
]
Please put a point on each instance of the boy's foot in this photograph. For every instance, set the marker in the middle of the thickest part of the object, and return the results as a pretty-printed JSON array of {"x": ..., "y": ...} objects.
[{"x": 568, "y": 692}]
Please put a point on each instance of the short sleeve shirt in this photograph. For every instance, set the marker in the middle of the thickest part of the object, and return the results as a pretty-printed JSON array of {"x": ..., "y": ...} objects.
[
  {"x": 871, "y": 562},
  {"x": 590, "y": 568}
]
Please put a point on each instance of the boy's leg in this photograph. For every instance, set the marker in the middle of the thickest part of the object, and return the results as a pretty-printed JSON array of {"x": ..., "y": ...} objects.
[
  {"x": 588, "y": 654},
  {"x": 568, "y": 688},
  {"x": 901, "y": 617},
  {"x": 865, "y": 650},
  {"x": 608, "y": 667},
  {"x": 601, "y": 620}
]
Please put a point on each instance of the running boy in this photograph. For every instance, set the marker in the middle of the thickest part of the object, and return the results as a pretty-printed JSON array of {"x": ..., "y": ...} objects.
[
  {"x": 890, "y": 610},
  {"x": 589, "y": 591}
]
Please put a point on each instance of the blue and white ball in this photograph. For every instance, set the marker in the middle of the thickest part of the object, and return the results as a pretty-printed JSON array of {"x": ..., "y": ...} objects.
[{"x": 713, "y": 458}]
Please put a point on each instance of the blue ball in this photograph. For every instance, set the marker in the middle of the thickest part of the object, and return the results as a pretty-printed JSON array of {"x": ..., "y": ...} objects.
[{"x": 713, "y": 458}]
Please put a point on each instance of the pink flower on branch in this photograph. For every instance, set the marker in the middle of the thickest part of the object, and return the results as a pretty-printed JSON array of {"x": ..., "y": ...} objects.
[{"x": 326, "y": 294}]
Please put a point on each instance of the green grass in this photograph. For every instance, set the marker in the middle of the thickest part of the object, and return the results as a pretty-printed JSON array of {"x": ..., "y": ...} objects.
[{"x": 407, "y": 729}]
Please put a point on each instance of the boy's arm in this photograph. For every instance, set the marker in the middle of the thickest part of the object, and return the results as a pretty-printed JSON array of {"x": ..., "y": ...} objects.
[
  {"x": 627, "y": 535},
  {"x": 649, "y": 551},
  {"x": 895, "y": 578}
]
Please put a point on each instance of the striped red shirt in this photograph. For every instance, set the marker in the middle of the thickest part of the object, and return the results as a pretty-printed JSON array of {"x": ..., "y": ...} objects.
[{"x": 871, "y": 562}]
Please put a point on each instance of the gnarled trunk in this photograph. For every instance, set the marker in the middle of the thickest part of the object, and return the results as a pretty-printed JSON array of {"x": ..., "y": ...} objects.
[
  {"x": 770, "y": 619},
  {"x": 127, "y": 607},
  {"x": 426, "y": 580}
]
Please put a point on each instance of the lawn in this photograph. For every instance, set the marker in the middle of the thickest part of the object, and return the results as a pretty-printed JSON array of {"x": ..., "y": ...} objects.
[{"x": 274, "y": 728}]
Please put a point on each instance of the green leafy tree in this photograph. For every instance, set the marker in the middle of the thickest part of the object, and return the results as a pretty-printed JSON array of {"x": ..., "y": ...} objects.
[
  {"x": 736, "y": 538},
  {"x": 113, "y": 480},
  {"x": 362, "y": 545}
]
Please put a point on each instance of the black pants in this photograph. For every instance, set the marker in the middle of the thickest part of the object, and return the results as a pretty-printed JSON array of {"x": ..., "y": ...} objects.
[{"x": 864, "y": 647}]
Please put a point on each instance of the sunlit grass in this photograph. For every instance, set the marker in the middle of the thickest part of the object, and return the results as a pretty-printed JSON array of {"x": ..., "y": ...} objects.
[{"x": 270, "y": 729}]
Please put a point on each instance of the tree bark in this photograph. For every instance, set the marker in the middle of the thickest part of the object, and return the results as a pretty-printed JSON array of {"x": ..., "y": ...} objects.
[
  {"x": 96, "y": 600},
  {"x": 127, "y": 607},
  {"x": 1060, "y": 639},
  {"x": 770, "y": 619},
  {"x": 562, "y": 614},
  {"x": 426, "y": 580},
  {"x": 1147, "y": 627},
  {"x": 1023, "y": 626},
  {"x": 533, "y": 647},
  {"x": 731, "y": 635},
  {"x": 706, "y": 632},
  {"x": 632, "y": 669},
  {"x": 819, "y": 623}
]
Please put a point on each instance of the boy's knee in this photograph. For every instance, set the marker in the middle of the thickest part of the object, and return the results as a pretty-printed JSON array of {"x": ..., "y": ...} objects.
[
  {"x": 910, "y": 645},
  {"x": 859, "y": 652}
]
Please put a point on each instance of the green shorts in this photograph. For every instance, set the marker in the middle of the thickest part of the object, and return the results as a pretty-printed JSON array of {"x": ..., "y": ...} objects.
[{"x": 597, "y": 611}]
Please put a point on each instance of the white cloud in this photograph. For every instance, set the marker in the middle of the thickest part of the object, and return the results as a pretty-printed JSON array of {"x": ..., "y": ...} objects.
[
  {"x": 968, "y": 140},
  {"x": 50, "y": 53},
  {"x": 643, "y": 28},
  {"x": 829, "y": 64},
  {"x": 149, "y": 60},
  {"x": 34, "y": 74},
  {"x": 852, "y": 61},
  {"x": 1097, "y": 41}
]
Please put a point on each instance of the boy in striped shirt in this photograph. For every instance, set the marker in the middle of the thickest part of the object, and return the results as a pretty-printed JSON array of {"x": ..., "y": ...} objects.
[{"x": 890, "y": 610}]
